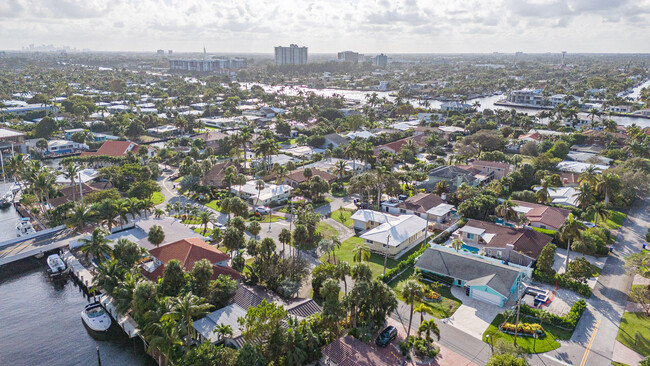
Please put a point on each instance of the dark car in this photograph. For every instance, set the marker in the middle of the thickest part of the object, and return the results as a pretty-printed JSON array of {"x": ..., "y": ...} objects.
[{"x": 386, "y": 336}]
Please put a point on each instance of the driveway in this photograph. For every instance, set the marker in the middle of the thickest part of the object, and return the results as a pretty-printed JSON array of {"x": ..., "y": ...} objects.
[{"x": 473, "y": 316}]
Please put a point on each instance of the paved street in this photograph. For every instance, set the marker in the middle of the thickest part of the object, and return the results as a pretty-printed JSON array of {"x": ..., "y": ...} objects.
[{"x": 607, "y": 304}]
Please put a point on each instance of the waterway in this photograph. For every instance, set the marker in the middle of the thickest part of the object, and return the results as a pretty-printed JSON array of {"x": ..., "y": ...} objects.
[
  {"x": 40, "y": 323},
  {"x": 485, "y": 102}
]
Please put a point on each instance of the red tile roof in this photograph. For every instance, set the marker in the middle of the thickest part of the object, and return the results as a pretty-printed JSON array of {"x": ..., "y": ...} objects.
[
  {"x": 114, "y": 148},
  {"x": 299, "y": 176},
  {"x": 188, "y": 252},
  {"x": 553, "y": 217}
]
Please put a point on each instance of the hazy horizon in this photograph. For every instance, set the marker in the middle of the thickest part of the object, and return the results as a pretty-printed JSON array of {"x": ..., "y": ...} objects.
[{"x": 366, "y": 26}]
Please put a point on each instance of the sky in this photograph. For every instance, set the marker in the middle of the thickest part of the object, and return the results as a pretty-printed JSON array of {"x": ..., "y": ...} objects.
[{"x": 367, "y": 26}]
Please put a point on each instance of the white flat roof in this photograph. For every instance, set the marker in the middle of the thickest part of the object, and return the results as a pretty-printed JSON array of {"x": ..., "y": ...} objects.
[
  {"x": 441, "y": 209},
  {"x": 399, "y": 231},
  {"x": 472, "y": 230},
  {"x": 9, "y": 133}
]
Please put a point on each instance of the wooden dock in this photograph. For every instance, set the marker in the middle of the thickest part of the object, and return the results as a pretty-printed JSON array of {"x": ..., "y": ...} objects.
[{"x": 34, "y": 244}]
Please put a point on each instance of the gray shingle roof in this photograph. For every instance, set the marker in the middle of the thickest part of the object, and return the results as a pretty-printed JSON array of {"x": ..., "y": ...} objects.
[{"x": 475, "y": 271}]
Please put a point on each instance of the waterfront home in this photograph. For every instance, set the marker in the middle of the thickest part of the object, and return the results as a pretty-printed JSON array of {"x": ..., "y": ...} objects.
[
  {"x": 483, "y": 279},
  {"x": 581, "y": 120},
  {"x": 426, "y": 205},
  {"x": 246, "y": 297},
  {"x": 116, "y": 149},
  {"x": 71, "y": 193},
  {"x": 395, "y": 237},
  {"x": 188, "y": 252},
  {"x": 620, "y": 108},
  {"x": 55, "y": 147},
  {"x": 455, "y": 106},
  {"x": 532, "y": 97},
  {"x": 369, "y": 219},
  {"x": 542, "y": 216},
  {"x": 517, "y": 245},
  {"x": 271, "y": 194},
  {"x": 13, "y": 139}
]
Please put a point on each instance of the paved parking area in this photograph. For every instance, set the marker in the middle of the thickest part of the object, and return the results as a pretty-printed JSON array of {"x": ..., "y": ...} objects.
[{"x": 473, "y": 316}]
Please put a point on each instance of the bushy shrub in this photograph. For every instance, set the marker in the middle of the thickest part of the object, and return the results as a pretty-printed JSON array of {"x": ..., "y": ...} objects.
[
  {"x": 568, "y": 321},
  {"x": 391, "y": 273},
  {"x": 563, "y": 281}
]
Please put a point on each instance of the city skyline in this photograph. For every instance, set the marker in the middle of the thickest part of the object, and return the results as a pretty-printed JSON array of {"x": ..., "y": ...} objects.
[{"x": 409, "y": 26}]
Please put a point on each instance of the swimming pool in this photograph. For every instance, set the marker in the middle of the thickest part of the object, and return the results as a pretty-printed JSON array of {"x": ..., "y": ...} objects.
[{"x": 470, "y": 248}]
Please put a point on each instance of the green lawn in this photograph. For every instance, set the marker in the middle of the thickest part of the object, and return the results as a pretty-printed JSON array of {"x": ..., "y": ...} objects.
[
  {"x": 636, "y": 288},
  {"x": 199, "y": 230},
  {"x": 634, "y": 332},
  {"x": 343, "y": 216},
  {"x": 614, "y": 222},
  {"x": 327, "y": 230},
  {"x": 545, "y": 344},
  {"x": 441, "y": 309},
  {"x": 157, "y": 198},
  {"x": 215, "y": 206},
  {"x": 342, "y": 193},
  {"x": 319, "y": 204},
  {"x": 376, "y": 261},
  {"x": 178, "y": 180}
]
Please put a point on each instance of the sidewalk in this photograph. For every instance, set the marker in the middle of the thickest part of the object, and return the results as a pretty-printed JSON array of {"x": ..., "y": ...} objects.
[{"x": 625, "y": 355}]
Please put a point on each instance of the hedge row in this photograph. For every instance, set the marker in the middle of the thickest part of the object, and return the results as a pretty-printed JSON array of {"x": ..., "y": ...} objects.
[
  {"x": 563, "y": 281},
  {"x": 410, "y": 261},
  {"x": 568, "y": 321}
]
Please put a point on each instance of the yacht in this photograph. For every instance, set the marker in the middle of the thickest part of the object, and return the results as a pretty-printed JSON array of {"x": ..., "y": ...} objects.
[
  {"x": 24, "y": 227},
  {"x": 57, "y": 265},
  {"x": 96, "y": 318}
]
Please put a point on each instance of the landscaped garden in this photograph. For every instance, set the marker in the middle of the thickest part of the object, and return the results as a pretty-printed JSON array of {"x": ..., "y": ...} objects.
[
  {"x": 327, "y": 231},
  {"x": 634, "y": 332},
  {"x": 157, "y": 198},
  {"x": 613, "y": 222},
  {"x": 529, "y": 344},
  {"x": 443, "y": 307}
]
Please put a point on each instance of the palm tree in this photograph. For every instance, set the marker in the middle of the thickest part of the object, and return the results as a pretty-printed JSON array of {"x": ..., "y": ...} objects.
[
  {"x": 507, "y": 210},
  {"x": 222, "y": 331},
  {"x": 590, "y": 175},
  {"x": 42, "y": 184},
  {"x": 184, "y": 310},
  {"x": 343, "y": 270},
  {"x": 361, "y": 253},
  {"x": 70, "y": 171},
  {"x": 570, "y": 231},
  {"x": 78, "y": 217},
  {"x": 608, "y": 185},
  {"x": 351, "y": 152},
  {"x": 206, "y": 217},
  {"x": 107, "y": 210},
  {"x": 281, "y": 172},
  {"x": 427, "y": 327},
  {"x": 336, "y": 244},
  {"x": 158, "y": 213},
  {"x": 457, "y": 244},
  {"x": 585, "y": 195},
  {"x": 340, "y": 168},
  {"x": 599, "y": 211},
  {"x": 411, "y": 292},
  {"x": 284, "y": 237},
  {"x": 422, "y": 308},
  {"x": 381, "y": 174},
  {"x": 543, "y": 194},
  {"x": 165, "y": 337},
  {"x": 96, "y": 245},
  {"x": 259, "y": 185}
]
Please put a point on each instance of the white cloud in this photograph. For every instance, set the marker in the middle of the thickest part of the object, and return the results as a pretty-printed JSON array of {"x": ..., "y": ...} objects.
[{"x": 329, "y": 26}]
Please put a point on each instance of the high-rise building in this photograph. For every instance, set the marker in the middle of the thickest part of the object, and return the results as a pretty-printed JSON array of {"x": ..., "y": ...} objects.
[
  {"x": 292, "y": 55},
  {"x": 160, "y": 52},
  {"x": 207, "y": 65},
  {"x": 169, "y": 52},
  {"x": 563, "y": 56},
  {"x": 349, "y": 56},
  {"x": 381, "y": 60}
]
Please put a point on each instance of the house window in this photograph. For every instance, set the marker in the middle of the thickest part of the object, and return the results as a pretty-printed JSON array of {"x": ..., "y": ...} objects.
[
  {"x": 542, "y": 226},
  {"x": 402, "y": 211},
  {"x": 470, "y": 236},
  {"x": 498, "y": 254},
  {"x": 460, "y": 282}
]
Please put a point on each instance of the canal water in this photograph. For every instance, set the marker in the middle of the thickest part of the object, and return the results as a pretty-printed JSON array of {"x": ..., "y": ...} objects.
[{"x": 40, "y": 323}]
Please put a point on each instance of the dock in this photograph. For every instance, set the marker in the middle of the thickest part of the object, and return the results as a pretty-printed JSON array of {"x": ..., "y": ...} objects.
[
  {"x": 39, "y": 242},
  {"x": 83, "y": 275}
]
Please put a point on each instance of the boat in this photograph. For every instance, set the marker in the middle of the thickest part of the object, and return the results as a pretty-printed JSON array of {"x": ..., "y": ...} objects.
[
  {"x": 24, "y": 227},
  {"x": 57, "y": 265},
  {"x": 96, "y": 318}
]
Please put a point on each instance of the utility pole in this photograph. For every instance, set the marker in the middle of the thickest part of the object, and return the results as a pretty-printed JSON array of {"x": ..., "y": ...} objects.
[
  {"x": 81, "y": 191},
  {"x": 518, "y": 307},
  {"x": 386, "y": 253}
]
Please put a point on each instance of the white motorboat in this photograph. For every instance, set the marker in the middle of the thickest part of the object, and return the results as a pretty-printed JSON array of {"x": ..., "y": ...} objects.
[
  {"x": 96, "y": 318},
  {"x": 57, "y": 265},
  {"x": 24, "y": 227}
]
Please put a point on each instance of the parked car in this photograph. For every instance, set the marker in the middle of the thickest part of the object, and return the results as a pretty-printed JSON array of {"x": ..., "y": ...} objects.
[
  {"x": 220, "y": 226},
  {"x": 386, "y": 336},
  {"x": 589, "y": 224},
  {"x": 263, "y": 210}
]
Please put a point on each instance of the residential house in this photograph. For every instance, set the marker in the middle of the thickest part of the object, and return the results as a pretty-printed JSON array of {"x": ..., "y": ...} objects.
[
  {"x": 395, "y": 237},
  {"x": 297, "y": 176},
  {"x": 114, "y": 148},
  {"x": 12, "y": 139},
  {"x": 455, "y": 106},
  {"x": 329, "y": 165},
  {"x": 583, "y": 119},
  {"x": 369, "y": 219},
  {"x": 57, "y": 147},
  {"x": 496, "y": 169},
  {"x": 579, "y": 167},
  {"x": 72, "y": 193},
  {"x": 214, "y": 177},
  {"x": 426, "y": 205},
  {"x": 483, "y": 279},
  {"x": 455, "y": 177},
  {"x": 542, "y": 216},
  {"x": 562, "y": 195},
  {"x": 271, "y": 194},
  {"x": 517, "y": 245},
  {"x": 396, "y": 146},
  {"x": 534, "y": 137},
  {"x": 212, "y": 139},
  {"x": 245, "y": 298},
  {"x": 604, "y": 137},
  {"x": 188, "y": 252},
  {"x": 165, "y": 130},
  {"x": 333, "y": 140},
  {"x": 620, "y": 108}
]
